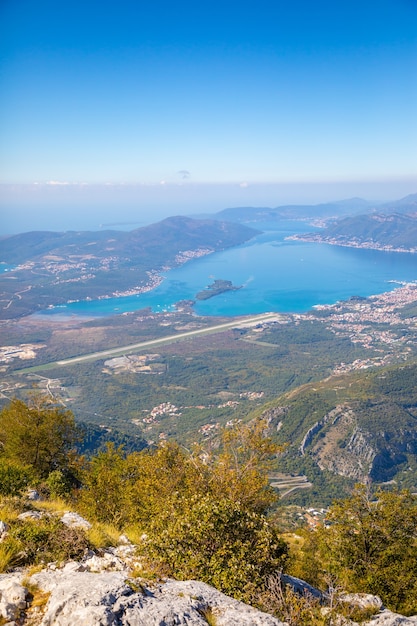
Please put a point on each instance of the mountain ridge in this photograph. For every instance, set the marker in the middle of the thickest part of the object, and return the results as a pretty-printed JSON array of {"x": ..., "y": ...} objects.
[{"x": 54, "y": 268}]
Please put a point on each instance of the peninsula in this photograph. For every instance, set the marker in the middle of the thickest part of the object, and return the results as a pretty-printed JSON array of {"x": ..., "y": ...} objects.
[{"x": 55, "y": 268}]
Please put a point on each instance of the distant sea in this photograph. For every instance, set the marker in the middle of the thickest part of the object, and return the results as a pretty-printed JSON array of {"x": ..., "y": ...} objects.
[{"x": 275, "y": 275}]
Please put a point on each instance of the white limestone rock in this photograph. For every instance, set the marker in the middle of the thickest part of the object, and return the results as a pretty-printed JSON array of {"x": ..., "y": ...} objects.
[
  {"x": 110, "y": 599},
  {"x": 13, "y": 596},
  {"x": 3, "y": 530},
  {"x": 106, "y": 563},
  {"x": 387, "y": 618},
  {"x": 362, "y": 600},
  {"x": 74, "y": 520},
  {"x": 32, "y": 494},
  {"x": 33, "y": 515}
]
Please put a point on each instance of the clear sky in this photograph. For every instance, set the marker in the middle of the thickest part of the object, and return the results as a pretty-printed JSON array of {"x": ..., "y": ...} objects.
[{"x": 161, "y": 105}]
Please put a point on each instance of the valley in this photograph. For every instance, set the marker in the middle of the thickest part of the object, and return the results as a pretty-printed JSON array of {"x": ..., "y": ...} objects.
[
  {"x": 175, "y": 375},
  {"x": 335, "y": 383}
]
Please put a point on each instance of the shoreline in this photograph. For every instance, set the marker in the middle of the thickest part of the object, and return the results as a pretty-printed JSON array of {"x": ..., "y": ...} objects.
[
  {"x": 77, "y": 317},
  {"x": 365, "y": 245}
]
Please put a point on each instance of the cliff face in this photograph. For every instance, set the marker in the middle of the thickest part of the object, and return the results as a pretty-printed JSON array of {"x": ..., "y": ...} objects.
[
  {"x": 358, "y": 426},
  {"x": 343, "y": 448}
]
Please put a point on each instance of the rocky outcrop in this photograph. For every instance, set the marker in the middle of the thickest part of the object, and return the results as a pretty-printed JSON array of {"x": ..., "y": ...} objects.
[
  {"x": 79, "y": 593},
  {"x": 100, "y": 591},
  {"x": 13, "y": 596},
  {"x": 110, "y": 598}
]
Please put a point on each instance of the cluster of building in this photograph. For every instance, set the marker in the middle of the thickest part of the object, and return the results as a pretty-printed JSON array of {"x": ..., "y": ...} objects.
[
  {"x": 252, "y": 395},
  {"x": 23, "y": 351},
  {"x": 230, "y": 403},
  {"x": 371, "y": 322},
  {"x": 187, "y": 255},
  {"x": 166, "y": 409},
  {"x": 209, "y": 428},
  {"x": 154, "y": 279},
  {"x": 352, "y": 242},
  {"x": 138, "y": 363}
]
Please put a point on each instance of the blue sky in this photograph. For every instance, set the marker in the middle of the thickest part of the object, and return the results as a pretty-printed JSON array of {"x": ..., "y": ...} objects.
[{"x": 265, "y": 102}]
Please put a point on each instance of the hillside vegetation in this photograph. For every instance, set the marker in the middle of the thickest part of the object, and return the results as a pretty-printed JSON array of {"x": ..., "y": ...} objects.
[
  {"x": 357, "y": 427},
  {"x": 199, "y": 514},
  {"x": 390, "y": 230},
  {"x": 321, "y": 379}
]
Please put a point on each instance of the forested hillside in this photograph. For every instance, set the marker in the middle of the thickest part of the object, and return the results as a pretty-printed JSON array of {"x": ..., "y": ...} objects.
[
  {"x": 201, "y": 514},
  {"x": 359, "y": 427}
]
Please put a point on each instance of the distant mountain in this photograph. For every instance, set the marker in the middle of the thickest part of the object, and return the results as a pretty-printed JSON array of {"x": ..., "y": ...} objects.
[
  {"x": 407, "y": 205},
  {"x": 304, "y": 212},
  {"x": 175, "y": 233},
  {"x": 381, "y": 231},
  {"x": 54, "y": 268}
]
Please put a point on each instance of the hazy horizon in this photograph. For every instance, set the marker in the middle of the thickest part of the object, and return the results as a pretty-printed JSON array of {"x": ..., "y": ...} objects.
[
  {"x": 134, "y": 111},
  {"x": 93, "y": 207}
]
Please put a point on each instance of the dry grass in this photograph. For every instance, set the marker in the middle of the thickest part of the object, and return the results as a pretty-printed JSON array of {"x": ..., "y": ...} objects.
[
  {"x": 38, "y": 601},
  {"x": 10, "y": 555},
  {"x": 10, "y": 508},
  {"x": 134, "y": 534},
  {"x": 102, "y": 535},
  {"x": 51, "y": 506}
]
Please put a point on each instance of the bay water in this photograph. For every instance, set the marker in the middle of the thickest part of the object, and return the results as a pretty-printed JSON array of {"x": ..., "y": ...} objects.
[{"x": 275, "y": 274}]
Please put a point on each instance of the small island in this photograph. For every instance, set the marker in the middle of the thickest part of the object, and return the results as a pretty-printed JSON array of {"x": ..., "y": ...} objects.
[{"x": 216, "y": 288}]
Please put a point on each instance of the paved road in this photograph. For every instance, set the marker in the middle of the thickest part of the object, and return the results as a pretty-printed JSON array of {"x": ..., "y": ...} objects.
[{"x": 94, "y": 356}]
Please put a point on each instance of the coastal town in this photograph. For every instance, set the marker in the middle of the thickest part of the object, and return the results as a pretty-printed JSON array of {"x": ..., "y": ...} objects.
[
  {"x": 351, "y": 241},
  {"x": 378, "y": 323}
]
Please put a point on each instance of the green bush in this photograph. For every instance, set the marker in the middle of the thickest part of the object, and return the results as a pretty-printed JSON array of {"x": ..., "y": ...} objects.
[
  {"x": 46, "y": 540},
  {"x": 14, "y": 478},
  {"x": 38, "y": 434},
  {"x": 370, "y": 545},
  {"x": 219, "y": 542},
  {"x": 58, "y": 484}
]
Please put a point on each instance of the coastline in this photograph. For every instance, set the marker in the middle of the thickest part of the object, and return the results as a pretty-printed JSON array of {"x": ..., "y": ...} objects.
[{"x": 351, "y": 243}]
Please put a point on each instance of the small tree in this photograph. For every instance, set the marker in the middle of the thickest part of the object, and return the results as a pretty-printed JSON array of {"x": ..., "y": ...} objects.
[
  {"x": 107, "y": 487},
  {"x": 371, "y": 546},
  {"x": 239, "y": 471},
  {"x": 38, "y": 434}
]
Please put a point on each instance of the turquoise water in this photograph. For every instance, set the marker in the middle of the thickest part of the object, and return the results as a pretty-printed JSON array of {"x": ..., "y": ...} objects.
[{"x": 277, "y": 275}]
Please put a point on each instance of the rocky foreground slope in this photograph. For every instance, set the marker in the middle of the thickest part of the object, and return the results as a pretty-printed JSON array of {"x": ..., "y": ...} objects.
[{"x": 102, "y": 591}]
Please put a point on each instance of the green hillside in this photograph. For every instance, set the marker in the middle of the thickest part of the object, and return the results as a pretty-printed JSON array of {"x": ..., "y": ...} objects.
[
  {"x": 394, "y": 230},
  {"x": 391, "y": 231},
  {"x": 54, "y": 268},
  {"x": 353, "y": 427}
]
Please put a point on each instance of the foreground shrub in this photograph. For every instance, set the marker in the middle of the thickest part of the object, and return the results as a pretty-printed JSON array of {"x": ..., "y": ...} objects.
[
  {"x": 370, "y": 545},
  {"x": 287, "y": 605},
  {"x": 39, "y": 434},
  {"x": 303, "y": 607},
  {"x": 219, "y": 542},
  {"x": 45, "y": 540},
  {"x": 14, "y": 478},
  {"x": 106, "y": 495}
]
